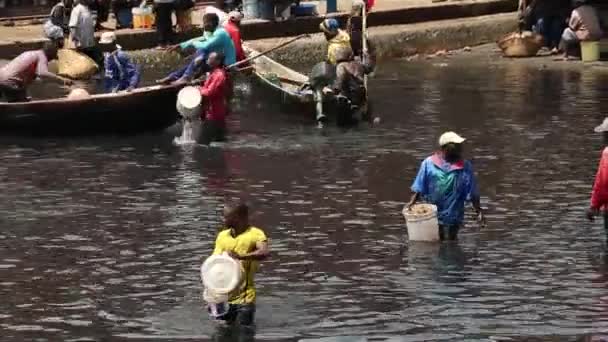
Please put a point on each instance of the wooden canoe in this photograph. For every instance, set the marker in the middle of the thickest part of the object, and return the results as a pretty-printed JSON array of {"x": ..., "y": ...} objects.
[
  {"x": 141, "y": 110},
  {"x": 290, "y": 83}
]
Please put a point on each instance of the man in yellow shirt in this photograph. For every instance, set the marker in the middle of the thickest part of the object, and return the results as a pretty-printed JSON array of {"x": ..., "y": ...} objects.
[
  {"x": 249, "y": 245},
  {"x": 336, "y": 38}
]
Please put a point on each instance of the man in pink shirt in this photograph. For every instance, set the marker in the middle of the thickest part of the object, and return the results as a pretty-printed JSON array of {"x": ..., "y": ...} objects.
[
  {"x": 216, "y": 92},
  {"x": 599, "y": 195},
  {"x": 18, "y": 74}
]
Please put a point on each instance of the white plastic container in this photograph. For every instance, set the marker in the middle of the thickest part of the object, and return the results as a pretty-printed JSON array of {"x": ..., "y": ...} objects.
[
  {"x": 221, "y": 274},
  {"x": 189, "y": 102},
  {"x": 217, "y": 305},
  {"x": 422, "y": 227}
]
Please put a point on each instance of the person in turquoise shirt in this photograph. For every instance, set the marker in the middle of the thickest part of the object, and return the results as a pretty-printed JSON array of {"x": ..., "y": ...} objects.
[
  {"x": 447, "y": 180},
  {"x": 215, "y": 39}
]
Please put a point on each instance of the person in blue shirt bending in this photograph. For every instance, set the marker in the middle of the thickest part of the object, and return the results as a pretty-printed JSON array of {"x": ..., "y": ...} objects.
[
  {"x": 121, "y": 74},
  {"x": 216, "y": 39},
  {"x": 446, "y": 180}
]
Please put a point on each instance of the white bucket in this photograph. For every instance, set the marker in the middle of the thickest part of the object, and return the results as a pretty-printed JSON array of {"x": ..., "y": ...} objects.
[
  {"x": 221, "y": 274},
  {"x": 422, "y": 224},
  {"x": 217, "y": 305},
  {"x": 189, "y": 102}
]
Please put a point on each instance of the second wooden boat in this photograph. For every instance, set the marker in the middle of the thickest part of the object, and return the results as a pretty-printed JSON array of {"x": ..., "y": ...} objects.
[{"x": 292, "y": 84}]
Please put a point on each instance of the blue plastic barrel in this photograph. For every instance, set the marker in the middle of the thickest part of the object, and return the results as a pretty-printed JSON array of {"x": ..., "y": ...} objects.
[
  {"x": 251, "y": 9},
  {"x": 305, "y": 10}
]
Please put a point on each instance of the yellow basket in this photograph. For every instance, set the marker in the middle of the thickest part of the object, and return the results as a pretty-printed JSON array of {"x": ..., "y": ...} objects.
[
  {"x": 75, "y": 65},
  {"x": 524, "y": 44}
]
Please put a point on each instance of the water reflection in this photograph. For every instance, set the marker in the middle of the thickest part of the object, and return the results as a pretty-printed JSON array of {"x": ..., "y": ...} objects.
[{"x": 103, "y": 237}]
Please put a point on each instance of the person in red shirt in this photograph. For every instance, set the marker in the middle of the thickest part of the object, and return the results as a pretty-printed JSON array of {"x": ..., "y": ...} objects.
[
  {"x": 233, "y": 27},
  {"x": 216, "y": 91},
  {"x": 599, "y": 195}
]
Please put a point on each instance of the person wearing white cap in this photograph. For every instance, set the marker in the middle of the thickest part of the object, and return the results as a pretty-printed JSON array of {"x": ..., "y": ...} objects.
[
  {"x": 599, "y": 194},
  {"x": 446, "y": 180},
  {"x": 120, "y": 72},
  {"x": 249, "y": 245}
]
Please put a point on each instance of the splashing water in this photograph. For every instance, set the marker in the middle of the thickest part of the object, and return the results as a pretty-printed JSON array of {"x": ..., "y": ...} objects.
[{"x": 187, "y": 137}]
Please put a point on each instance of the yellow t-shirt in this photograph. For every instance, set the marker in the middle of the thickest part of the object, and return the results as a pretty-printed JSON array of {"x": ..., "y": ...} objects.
[
  {"x": 242, "y": 244},
  {"x": 342, "y": 40}
]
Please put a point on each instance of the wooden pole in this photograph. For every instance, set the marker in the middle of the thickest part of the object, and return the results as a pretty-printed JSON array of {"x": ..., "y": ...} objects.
[
  {"x": 244, "y": 61},
  {"x": 364, "y": 43}
]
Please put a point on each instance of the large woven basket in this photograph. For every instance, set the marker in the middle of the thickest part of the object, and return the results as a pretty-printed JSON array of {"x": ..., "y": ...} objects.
[
  {"x": 525, "y": 44},
  {"x": 75, "y": 65}
]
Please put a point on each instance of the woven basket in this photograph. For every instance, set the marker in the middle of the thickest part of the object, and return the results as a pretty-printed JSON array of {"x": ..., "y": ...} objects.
[
  {"x": 75, "y": 65},
  {"x": 524, "y": 44}
]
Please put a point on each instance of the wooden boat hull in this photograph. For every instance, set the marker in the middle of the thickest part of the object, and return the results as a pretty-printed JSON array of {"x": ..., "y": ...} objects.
[
  {"x": 144, "y": 109},
  {"x": 281, "y": 78},
  {"x": 290, "y": 85}
]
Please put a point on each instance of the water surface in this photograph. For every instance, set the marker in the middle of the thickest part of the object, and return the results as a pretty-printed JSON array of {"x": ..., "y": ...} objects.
[{"x": 102, "y": 237}]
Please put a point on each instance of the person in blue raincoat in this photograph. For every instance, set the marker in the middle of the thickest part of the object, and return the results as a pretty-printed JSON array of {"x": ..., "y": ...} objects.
[{"x": 121, "y": 74}]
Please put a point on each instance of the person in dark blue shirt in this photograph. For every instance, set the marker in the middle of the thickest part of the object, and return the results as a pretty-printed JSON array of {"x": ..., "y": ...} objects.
[{"x": 121, "y": 74}]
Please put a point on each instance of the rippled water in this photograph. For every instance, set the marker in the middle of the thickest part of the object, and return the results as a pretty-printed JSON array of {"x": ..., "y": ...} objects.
[{"x": 102, "y": 237}]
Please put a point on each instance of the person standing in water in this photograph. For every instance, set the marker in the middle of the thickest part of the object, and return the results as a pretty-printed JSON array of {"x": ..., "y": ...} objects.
[
  {"x": 352, "y": 104},
  {"x": 249, "y": 245},
  {"x": 216, "y": 91},
  {"x": 446, "y": 180},
  {"x": 599, "y": 195}
]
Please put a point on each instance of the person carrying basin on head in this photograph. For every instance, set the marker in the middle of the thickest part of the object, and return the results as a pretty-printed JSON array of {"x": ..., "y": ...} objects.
[
  {"x": 120, "y": 73},
  {"x": 249, "y": 245},
  {"x": 218, "y": 41},
  {"x": 18, "y": 74},
  {"x": 599, "y": 194},
  {"x": 447, "y": 180}
]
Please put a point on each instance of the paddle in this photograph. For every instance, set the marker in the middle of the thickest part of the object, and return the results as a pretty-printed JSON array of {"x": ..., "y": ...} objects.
[
  {"x": 247, "y": 60},
  {"x": 364, "y": 35}
]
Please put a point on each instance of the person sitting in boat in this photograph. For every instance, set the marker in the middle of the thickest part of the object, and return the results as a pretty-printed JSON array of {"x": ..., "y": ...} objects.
[
  {"x": 336, "y": 38},
  {"x": 121, "y": 74},
  {"x": 56, "y": 27},
  {"x": 354, "y": 27},
  {"x": 17, "y": 75},
  {"x": 349, "y": 88},
  {"x": 233, "y": 27},
  {"x": 216, "y": 91},
  {"x": 218, "y": 41}
]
